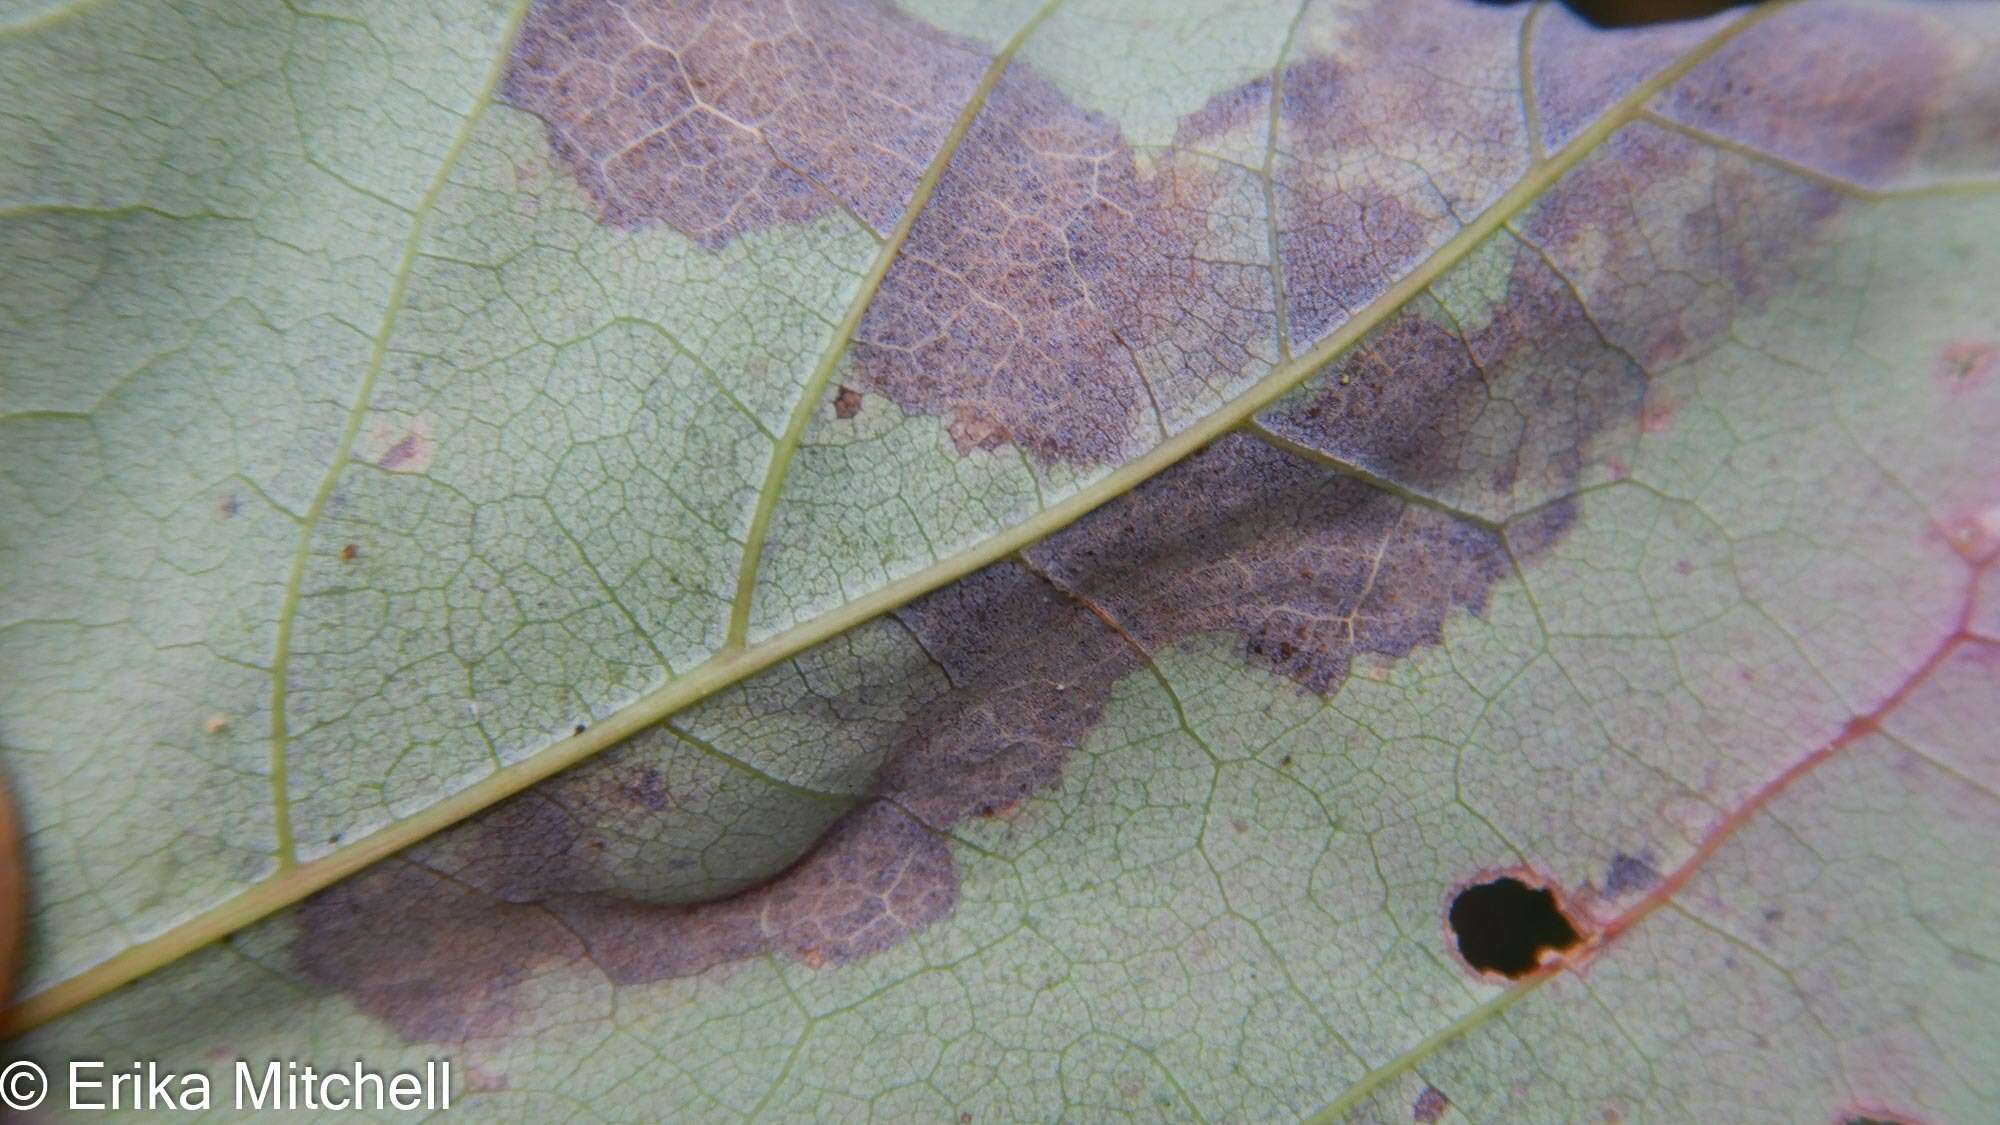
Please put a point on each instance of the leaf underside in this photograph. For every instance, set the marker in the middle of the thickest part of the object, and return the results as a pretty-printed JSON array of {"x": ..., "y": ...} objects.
[{"x": 1010, "y": 560}]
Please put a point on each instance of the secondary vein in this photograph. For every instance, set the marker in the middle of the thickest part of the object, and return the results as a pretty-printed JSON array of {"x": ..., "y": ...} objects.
[{"x": 864, "y": 295}]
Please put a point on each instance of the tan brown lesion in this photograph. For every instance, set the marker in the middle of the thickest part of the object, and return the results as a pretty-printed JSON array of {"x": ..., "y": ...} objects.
[{"x": 846, "y": 402}]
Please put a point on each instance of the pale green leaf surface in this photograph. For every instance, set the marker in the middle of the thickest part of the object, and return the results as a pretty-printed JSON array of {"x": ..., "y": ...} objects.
[{"x": 1737, "y": 439}]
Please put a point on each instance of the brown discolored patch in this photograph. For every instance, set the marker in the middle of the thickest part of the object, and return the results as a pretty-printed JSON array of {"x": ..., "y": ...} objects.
[
  {"x": 720, "y": 119},
  {"x": 1070, "y": 296},
  {"x": 1430, "y": 1106},
  {"x": 1061, "y": 293},
  {"x": 846, "y": 402},
  {"x": 1666, "y": 241},
  {"x": 1897, "y": 107},
  {"x": 1306, "y": 568},
  {"x": 1030, "y": 668},
  {"x": 350, "y": 552}
]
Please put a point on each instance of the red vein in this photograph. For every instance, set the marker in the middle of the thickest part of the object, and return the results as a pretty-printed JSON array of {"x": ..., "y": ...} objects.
[{"x": 1856, "y": 728}]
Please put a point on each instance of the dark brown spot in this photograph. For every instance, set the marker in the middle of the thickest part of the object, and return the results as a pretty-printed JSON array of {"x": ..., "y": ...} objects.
[
  {"x": 720, "y": 120},
  {"x": 1507, "y": 927},
  {"x": 350, "y": 552},
  {"x": 1875, "y": 1116},
  {"x": 1430, "y": 1106},
  {"x": 1642, "y": 13},
  {"x": 846, "y": 402}
]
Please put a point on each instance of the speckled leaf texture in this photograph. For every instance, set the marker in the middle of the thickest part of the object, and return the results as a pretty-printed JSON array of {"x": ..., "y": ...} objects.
[{"x": 988, "y": 560}]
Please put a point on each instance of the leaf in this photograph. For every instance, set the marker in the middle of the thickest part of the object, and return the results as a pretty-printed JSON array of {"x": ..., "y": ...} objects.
[{"x": 1598, "y": 496}]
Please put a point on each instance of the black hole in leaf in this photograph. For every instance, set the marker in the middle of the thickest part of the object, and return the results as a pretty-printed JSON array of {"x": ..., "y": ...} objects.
[
  {"x": 1638, "y": 13},
  {"x": 1503, "y": 926}
]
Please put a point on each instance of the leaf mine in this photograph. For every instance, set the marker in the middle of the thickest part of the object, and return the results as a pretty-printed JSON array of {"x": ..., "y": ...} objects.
[
  {"x": 1502, "y": 395},
  {"x": 1307, "y": 568}
]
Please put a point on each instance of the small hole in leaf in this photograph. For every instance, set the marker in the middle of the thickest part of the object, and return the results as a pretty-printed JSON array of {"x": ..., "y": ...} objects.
[{"x": 1506, "y": 925}]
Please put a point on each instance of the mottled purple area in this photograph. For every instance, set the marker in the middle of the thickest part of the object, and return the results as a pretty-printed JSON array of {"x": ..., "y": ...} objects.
[
  {"x": 1910, "y": 93},
  {"x": 1056, "y": 294},
  {"x": 1309, "y": 568},
  {"x": 1668, "y": 241},
  {"x": 1628, "y": 874},
  {"x": 1509, "y": 407},
  {"x": 1580, "y": 71},
  {"x": 720, "y": 118},
  {"x": 1384, "y": 150}
]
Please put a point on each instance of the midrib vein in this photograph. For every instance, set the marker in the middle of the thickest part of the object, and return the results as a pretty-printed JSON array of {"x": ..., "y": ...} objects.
[
  {"x": 733, "y": 664},
  {"x": 814, "y": 389}
]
